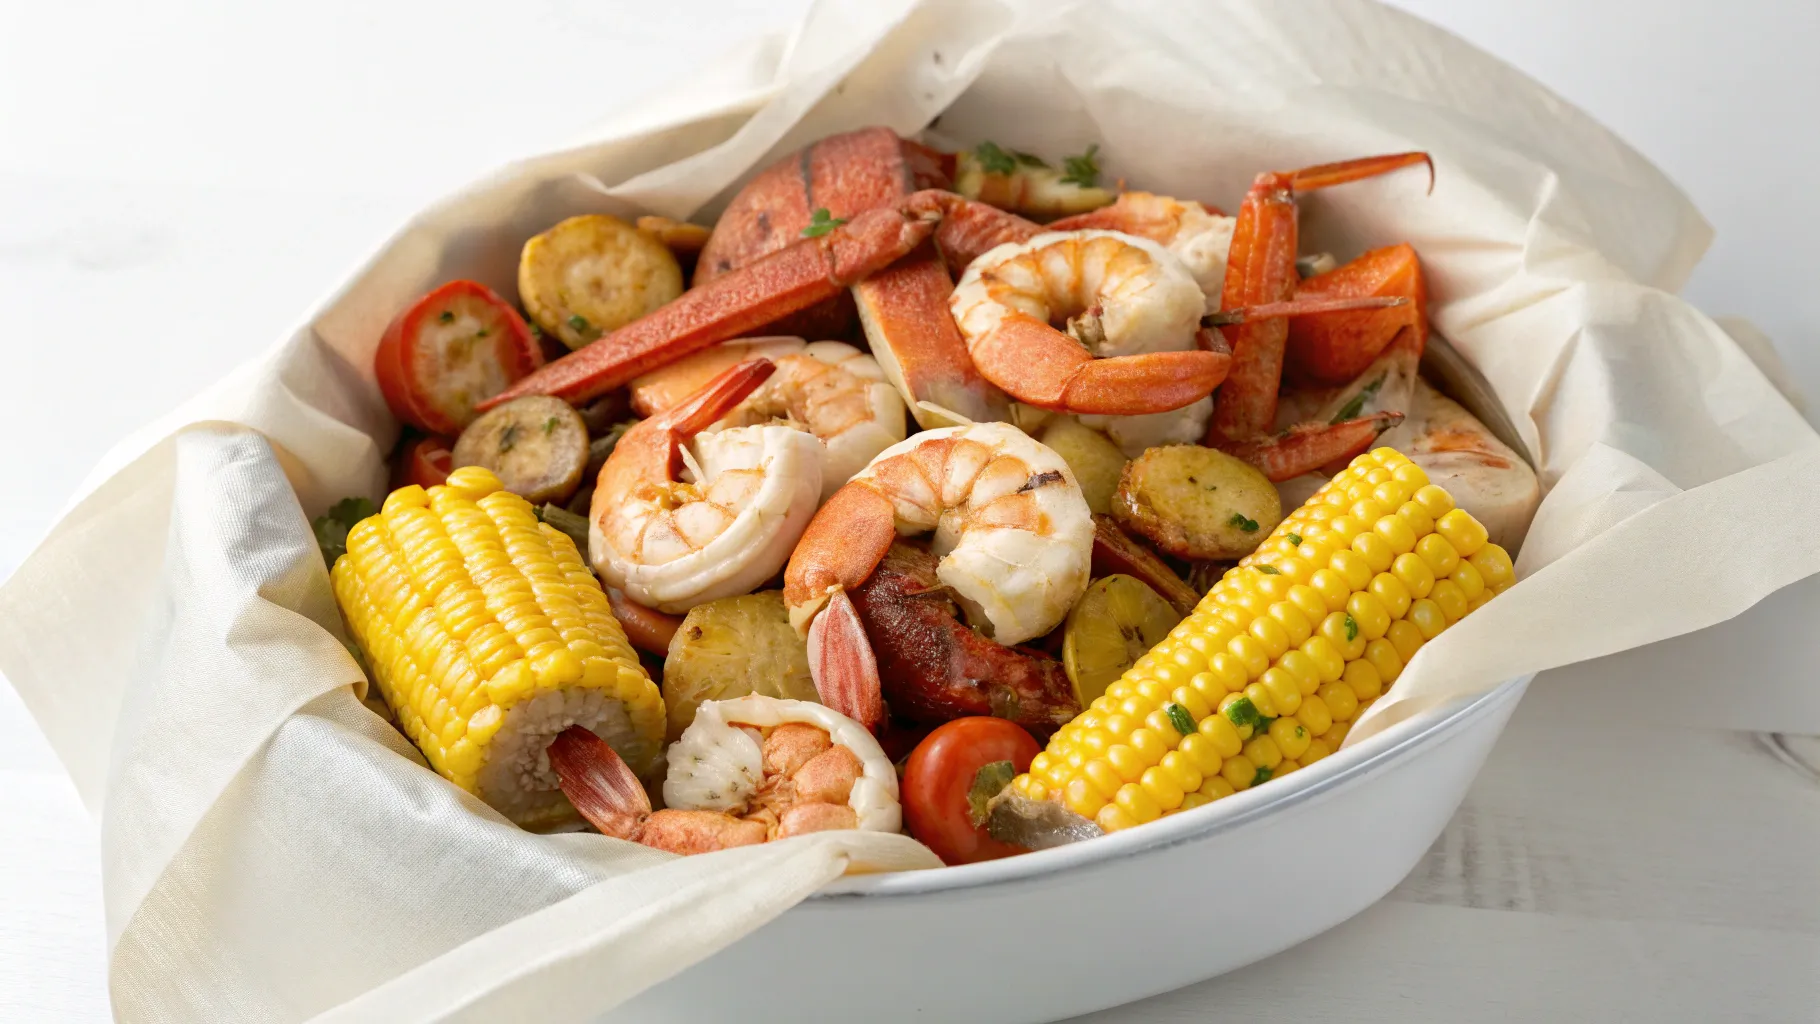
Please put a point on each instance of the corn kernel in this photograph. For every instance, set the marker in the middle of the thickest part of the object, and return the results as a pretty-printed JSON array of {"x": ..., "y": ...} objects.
[
  {"x": 1451, "y": 599},
  {"x": 1370, "y": 614},
  {"x": 1225, "y": 736},
  {"x": 1410, "y": 476},
  {"x": 1251, "y": 654},
  {"x": 1285, "y": 690},
  {"x": 1337, "y": 734},
  {"x": 1269, "y": 634},
  {"x": 1216, "y": 788},
  {"x": 1291, "y": 736},
  {"x": 1112, "y": 818},
  {"x": 1317, "y": 749},
  {"x": 1193, "y": 800},
  {"x": 1374, "y": 550},
  {"x": 1342, "y": 698},
  {"x": 1126, "y": 762},
  {"x": 1367, "y": 510},
  {"x": 1393, "y": 593},
  {"x": 1238, "y": 771},
  {"x": 1181, "y": 770},
  {"x": 1083, "y": 798},
  {"x": 1201, "y": 753},
  {"x": 1442, "y": 559},
  {"x": 1332, "y": 587},
  {"x": 1395, "y": 533},
  {"x": 1344, "y": 528},
  {"x": 1462, "y": 531},
  {"x": 1302, "y": 667},
  {"x": 1428, "y": 618},
  {"x": 1296, "y": 626},
  {"x": 1493, "y": 563},
  {"x": 1103, "y": 777},
  {"x": 1259, "y": 696},
  {"x": 1417, "y": 519},
  {"x": 1467, "y": 576},
  {"x": 1315, "y": 715},
  {"x": 1381, "y": 655},
  {"x": 1436, "y": 502},
  {"x": 1229, "y": 669},
  {"x": 1160, "y": 787},
  {"x": 1392, "y": 494},
  {"x": 1263, "y": 751},
  {"x": 1138, "y": 803},
  {"x": 1478, "y": 602},
  {"x": 1328, "y": 660},
  {"x": 1149, "y": 744},
  {"x": 1197, "y": 706},
  {"x": 1353, "y": 568},
  {"x": 1406, "y": 638}
]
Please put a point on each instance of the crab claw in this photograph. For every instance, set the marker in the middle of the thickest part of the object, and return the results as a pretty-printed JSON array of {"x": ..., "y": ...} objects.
[{"x": 842, "y": 663}]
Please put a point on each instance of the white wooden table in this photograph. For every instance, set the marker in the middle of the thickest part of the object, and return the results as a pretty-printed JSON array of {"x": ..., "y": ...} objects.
[{"x": 1633, "y": 850}]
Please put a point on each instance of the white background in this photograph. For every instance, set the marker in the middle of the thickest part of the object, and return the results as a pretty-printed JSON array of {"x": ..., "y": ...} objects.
[{"x": 179, "y": 183}]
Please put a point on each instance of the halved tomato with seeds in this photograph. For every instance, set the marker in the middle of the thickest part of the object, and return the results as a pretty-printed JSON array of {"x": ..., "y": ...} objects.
[{"x": 449, "y": 350}]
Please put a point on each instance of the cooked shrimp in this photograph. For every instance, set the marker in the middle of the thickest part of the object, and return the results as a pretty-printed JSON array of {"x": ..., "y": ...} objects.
[
  {"x": 1012, "y": 529},
  {"x": 726, "y": 527},
  {"x": 828, "y": 388},
  {"x": 1132, "y": 313},
  {"x": 746, "y": 771},
  {"x": 1199, "y": 236}
]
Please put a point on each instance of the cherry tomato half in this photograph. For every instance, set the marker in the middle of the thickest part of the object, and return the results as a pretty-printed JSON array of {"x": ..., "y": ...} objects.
[
  {"x": 940, "y": 776},
  {"x": 425, "y": 462},
  {"x": 452, "y": 348}
]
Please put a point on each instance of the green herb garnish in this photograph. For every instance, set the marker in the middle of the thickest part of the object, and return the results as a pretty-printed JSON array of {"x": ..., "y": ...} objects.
[
  {"x": 445, "y": 317},
  {"x": 551, "y": 424},
  {"x": 331, "y": 528},
  {"x": 1270, "y": 570},
  {"x": 1352, "y": 628},
  {"x": 1180, "y": 718},
  {"x": 994, "y": 160},
  {"x": 577, "y": 322},
  {"x": 1238, "y": 519},
  {"x": 988, "y": 782},
  {"x": 508, "y": 437},
  {"x": 1263, "y": 775},
  {"x": 481, "y": 333},
  {"x": 1243, "y": 712},
  {"x": 820, "y": 223},
  {"x": 1083, "y": 170},
  {"x": 1296, "y": 539},
  {"x": 1356, "y": 405}
]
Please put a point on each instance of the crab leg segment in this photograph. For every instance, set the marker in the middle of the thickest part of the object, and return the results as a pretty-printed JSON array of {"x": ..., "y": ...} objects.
[
  {"x": 788, "y": 280},
  {"x": 1043, "y": 367},
  {"x": 1260, "y": 269}
]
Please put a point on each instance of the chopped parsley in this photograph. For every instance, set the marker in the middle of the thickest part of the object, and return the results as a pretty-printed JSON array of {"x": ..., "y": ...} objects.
[
  {"x": 445, "y": 317},
  {"x": 993, "y": 159},
  {"x": 1296, "y": 539},
  {"x": 551, "y": 424},
  {"x": 1179, "y": 717},
  {"x": 1270, "y": 570},
  {"x": 820, "y": 223},
  {"x": 1083, "y": 170},
  {"x": 577, "y": 322},
  {"x": 1356, "y": 405},
  {"x": 1352, "y": 628},
  {"x": 1263, "y": 775},
  {"x": 508, "y": 437},
  {"x": 1243, "y": 712},
  {"x": 1238, "y": 520},
  {"x": 331, "y": 528}
]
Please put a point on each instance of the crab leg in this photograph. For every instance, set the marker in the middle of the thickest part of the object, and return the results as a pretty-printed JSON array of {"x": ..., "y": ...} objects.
[
  {"x": 1260, "y": 269},
  {"x": 788, "y": 280},
  {"x": 1307, "y": 447}
]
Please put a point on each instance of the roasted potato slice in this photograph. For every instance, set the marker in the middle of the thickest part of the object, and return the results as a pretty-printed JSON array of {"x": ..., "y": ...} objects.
[
  {"x": 680, "y": 237},
  {"x": 536, "y": 445},
  {"x": 1096, "y": 461},
  {"x": 593, "y": 274},
  {"x": 1197, "y": 503},
  {"x": 732, "y": 647}
]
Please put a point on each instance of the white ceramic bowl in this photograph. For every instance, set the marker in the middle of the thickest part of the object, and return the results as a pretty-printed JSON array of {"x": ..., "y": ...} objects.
[{"x": 1038, "y": 937}]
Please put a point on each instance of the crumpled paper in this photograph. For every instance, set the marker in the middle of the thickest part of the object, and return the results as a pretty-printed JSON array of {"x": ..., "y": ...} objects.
[{"x": 273, "y": 851}]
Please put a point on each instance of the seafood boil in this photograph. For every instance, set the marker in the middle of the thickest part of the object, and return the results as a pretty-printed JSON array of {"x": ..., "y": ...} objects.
[{"x": 952, "y": 493}]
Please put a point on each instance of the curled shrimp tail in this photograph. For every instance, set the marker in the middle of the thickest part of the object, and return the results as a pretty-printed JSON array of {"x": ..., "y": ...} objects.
[
  {"x": 1307, "y": 447},
  {"x": 599, "y": 783},
  {"x": 843, "y": 666},
  {"x": 716, "y": 398}
]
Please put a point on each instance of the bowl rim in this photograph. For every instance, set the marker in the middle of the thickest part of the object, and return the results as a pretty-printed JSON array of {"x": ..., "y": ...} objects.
[{"x": 1340, "y": 768}]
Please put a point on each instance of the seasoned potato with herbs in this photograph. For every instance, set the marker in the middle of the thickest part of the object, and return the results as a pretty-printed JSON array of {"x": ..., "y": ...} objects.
[
  {"x": 1096, "y": 461},
  {"x": 1196, "y": 502},
  {"x": 593, "y": 274},
  {"x": 730, "y": 648},
  {"x": 536, "y": 445}
]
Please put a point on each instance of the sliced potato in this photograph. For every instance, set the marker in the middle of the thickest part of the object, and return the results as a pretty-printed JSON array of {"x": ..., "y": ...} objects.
[
  {"x": 1096, "y": 461},
  {"x": 1114, "y": 623},
  {"x": 536, "y": 445},
  {"x": 681, "y": 237},
  {"x": 593, "y": 274},
  {"x": 732, "y": 647},
  {"x": 1197, "y": 503}
]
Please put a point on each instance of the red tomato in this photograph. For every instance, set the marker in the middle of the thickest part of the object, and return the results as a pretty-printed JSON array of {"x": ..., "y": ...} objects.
[
  {"x": 457, "y": 345},
  {"x": 940, "y": 775},
  {"x": 425, "y": 462}
]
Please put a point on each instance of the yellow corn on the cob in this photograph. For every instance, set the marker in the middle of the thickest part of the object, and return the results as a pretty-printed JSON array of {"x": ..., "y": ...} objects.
[
  {"x": 488, "y": 636},
  {"x": 1282, "y": 655}
]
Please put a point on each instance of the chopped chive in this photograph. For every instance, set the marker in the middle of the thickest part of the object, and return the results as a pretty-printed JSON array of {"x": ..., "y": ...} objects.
[
  {"x": 445, "y": 317},
  {"x": 1243, "y": 712},
  {"x": 1270, "y": 570},
  {"x": 1180, "y": 718},
  {"x": 508, "y": 437},
  {"x": 1239, "y": 520},
  {"x": 1263, "y": 775},
  {"x": 1296, "y": 539},
  {"x": 993, "y": 159},
  {"x": 577, "y": 322},
  {"x": 1352, "y": 627},
  {"x": 1083, "y": 170},
  {"x": 551, "y": 424}
]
